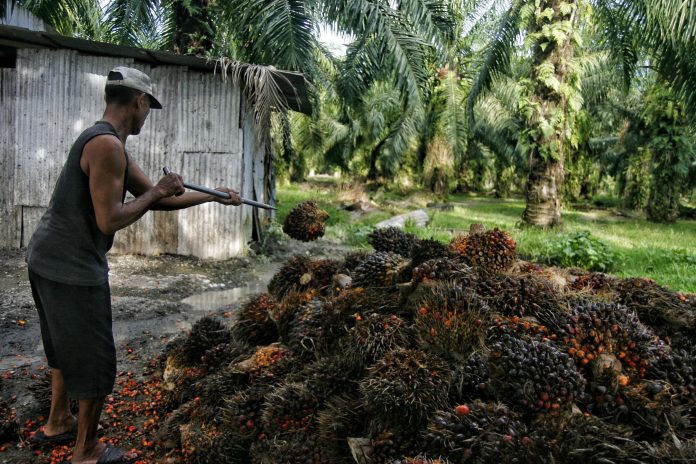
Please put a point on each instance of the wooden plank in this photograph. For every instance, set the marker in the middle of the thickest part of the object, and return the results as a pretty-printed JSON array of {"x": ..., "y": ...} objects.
[{"x": 8, "y": 225}]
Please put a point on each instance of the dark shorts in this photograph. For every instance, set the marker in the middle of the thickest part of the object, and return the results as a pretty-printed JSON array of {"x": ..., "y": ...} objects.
[{"x": 76, "y": 333}]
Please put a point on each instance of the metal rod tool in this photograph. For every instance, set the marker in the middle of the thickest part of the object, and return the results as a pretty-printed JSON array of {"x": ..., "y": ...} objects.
[{"x": 217, "y": 193}]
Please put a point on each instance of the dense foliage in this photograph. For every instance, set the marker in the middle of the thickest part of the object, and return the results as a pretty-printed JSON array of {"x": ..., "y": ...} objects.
[{"x": 555, "y": 100}]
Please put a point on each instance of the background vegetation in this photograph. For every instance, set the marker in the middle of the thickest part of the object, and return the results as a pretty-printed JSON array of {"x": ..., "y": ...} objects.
[{"x": 530, "y": 108}]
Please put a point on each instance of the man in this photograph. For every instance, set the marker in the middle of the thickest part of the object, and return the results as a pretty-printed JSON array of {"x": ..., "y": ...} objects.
[{"x": 67, "y": 262}]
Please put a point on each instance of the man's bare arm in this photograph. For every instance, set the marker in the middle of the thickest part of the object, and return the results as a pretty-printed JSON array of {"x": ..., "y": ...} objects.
[
  {"x": 139, "y": 183},
  {"x": 104, "y": 162}
]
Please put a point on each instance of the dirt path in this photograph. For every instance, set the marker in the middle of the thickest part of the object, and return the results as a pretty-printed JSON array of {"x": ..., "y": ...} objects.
[{"x": 154, "y": 300}]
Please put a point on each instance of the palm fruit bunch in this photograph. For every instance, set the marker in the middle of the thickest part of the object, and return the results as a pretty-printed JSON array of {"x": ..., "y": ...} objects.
[
  {"x": 670, "y": 314},
  {"x": 218, "y": 447},
  {"x": 445, "y": 268},
  {"x": 379, "y": 269},
  {"x": 9, "y": 425},
  {"x": 450, "y": 320},
  {"x": 300, "y": 447},
  {"x": 41, "y": 390},
  {"x": 583, "y": 438},
  {"x": 294, "y": 274},
  {"x": 241, "y": 412},
  {"x": 328, "y": 376},
  {"x": 304, "y": 331},
  {"x": 403, "y": 387},
  {"x": 254, "y": 325},
  {"x": 426, "y": 249},
  {"x": 420, "y": 460},
  {"x": 289, "y": 407},
  {"x": 269, "y": 364},
  {"x": 206, "y": 333},
  {"x": 340, "y": 418},
  {"x": 306, "y": 222},
  {"x": 594, "y": 328},
  {"x": 373, "y": 336},
  {"x": 222, "y": 354},
  {"x": 168, "y": 434},
  {"x": 196, "y": 440},
  {"x": 492, "y": 251},
  {"x": 648, "y": 406},
  {"x": 478, "y": 431},
  {"x": 524, "y": 295},
  {"x": 394, "y": 443},
  {"x": 285, "y": 312},
  {"x": 677, "y": 367},
  {"x": 353, "y": 259},
  {"x": 393, "y": 240},
  {"x": 322, "y": 272},
  {"x": 594, "y": 282},
  {"x": 470, "y": 378},
  {"x": 532, "y": 375}
]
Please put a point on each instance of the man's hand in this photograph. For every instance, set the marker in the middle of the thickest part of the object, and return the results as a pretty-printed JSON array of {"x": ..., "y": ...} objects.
[
  {"x": 234, "y": 199},
  {"x": 171, "y": 184}
]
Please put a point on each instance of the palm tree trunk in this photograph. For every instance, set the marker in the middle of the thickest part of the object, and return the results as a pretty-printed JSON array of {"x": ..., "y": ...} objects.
[
  {"x": 547, "y": 120},
  {"x": 543, "y": 193}
]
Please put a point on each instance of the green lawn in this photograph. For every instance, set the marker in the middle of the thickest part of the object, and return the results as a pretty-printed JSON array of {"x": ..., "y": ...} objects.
[{"x": 665, "y": 253}]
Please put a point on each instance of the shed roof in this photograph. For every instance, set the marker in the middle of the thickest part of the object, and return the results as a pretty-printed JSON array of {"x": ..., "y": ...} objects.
[{"x": 292, "y": 84}]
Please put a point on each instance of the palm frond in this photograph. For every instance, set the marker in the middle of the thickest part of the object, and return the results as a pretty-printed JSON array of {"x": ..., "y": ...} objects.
[
  {"x": 131, "y": 22},
  {"x": 68, "y": 17},
  {"x": 497, "y": 57}
]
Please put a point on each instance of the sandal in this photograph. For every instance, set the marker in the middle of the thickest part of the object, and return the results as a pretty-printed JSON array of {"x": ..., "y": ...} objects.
[{"x": 40, "y": 438}]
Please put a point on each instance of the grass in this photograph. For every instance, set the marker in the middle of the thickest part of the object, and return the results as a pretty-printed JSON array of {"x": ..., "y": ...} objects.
[{"x": 664, "y": 253}]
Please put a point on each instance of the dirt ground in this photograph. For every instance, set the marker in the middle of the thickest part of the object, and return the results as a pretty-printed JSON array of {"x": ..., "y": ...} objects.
[{"x": 154, "y": 300}]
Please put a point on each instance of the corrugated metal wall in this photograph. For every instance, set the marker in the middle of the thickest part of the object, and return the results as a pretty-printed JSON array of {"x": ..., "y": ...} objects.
[
  {"x": 198, "y": 134},
  {"x": 8, "y": 214}
]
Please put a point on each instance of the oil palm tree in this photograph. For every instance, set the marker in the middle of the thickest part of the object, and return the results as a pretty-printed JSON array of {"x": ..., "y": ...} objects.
[{"x": 654, "y": 31}]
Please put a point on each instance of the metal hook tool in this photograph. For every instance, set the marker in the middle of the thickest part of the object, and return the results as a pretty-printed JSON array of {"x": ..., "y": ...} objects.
[{"x": 217, "y": 193}]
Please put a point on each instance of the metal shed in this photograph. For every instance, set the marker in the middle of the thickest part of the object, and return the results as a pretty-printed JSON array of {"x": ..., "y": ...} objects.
[{"x": 51, "y": 88}]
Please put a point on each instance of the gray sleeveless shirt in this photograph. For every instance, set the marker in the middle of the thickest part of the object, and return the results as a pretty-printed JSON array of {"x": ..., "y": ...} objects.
[{"x": 67, "y": 246}]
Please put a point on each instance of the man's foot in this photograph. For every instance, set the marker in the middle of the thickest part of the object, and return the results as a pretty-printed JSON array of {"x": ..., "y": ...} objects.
[
  {"x": 57, "y": 433},
  {"x": 105, "y": 454}
]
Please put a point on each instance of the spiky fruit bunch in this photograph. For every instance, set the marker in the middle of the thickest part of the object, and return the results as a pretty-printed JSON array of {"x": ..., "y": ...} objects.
[
  {"x": 669, "y": 313},
  {"x": 426, "y": 249},
  {"x": 196, "y": 440},
  {"x": 404, "y": 387},
  {"x": 523, "y": 296},
  {"x": 480, "y": 432},
  {"x": 373, "y": 336},
  {"x": 220, "y": 447},
  {"x": 679, "y": 369},
  {"x": 390, "y": 444},
  {"x": 289, "y": 408},
  {"x": 300, "y": 447},
  {"x": 353, "y": 259},
  {"x": 420, "y": 460},
  {"x": 444, "y": 269},
  {"x": 594, "y": 282},
  {"x": 294, "y": 274},
  {"x": 392, "y": 239},
  {"x": 451, "y": 320},
  {"x": 322, "y": 272},
  {"x": 306, "y": 222},
  {"x": 241, "y": 412},
  {"x": 340, "y": 418},
  {"x": 305, "y": 330},
  {"x": 594, "y": 328},
  {"x": 329, "y": 376},
  {"x": 533, "y": 375},
  {"x": 470, "y": 378},
  {"x": 221, "y": 355},
  {"x": 205, "y": 334},
  {"x": 491, "y": 251},
  {"x": 9, "y": 425},
  {"x": 254, "y": 325},
  {"x": 269, "y": 364},
  {"x": 285, "y": 312},
  {"x": 379, "y": 269}
]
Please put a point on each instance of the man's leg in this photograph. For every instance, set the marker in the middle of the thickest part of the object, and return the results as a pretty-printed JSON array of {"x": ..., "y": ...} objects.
[
  {"x": 88, "y": 448},
  {"x": 60, "y": 419}
]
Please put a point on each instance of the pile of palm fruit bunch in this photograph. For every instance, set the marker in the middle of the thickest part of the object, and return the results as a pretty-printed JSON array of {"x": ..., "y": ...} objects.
[
  {"x": 306, "y": 222},
  {"x": 429, "y": 352}
]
